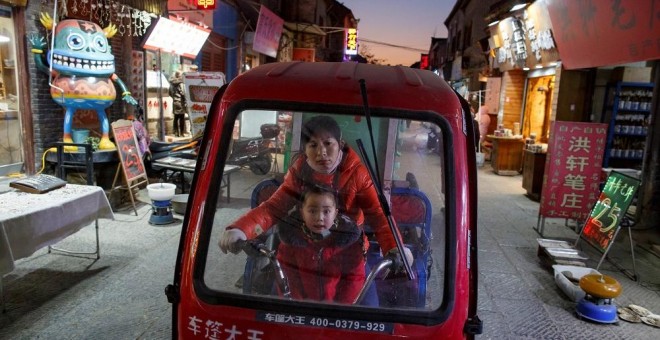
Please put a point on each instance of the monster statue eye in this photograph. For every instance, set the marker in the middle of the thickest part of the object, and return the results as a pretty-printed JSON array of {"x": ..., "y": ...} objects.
[
  {"x": 75, "y": 41},
  {"x": 100, "y": 43}
]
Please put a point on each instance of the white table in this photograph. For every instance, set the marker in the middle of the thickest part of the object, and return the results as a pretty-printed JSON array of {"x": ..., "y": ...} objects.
[
  {"x": 29, "y": 222},
  {"x": 181, "y": 165}
]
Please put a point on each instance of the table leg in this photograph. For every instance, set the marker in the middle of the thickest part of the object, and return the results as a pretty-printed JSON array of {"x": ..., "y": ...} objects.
[
  {"x": 228, "y": 185},
  {"x": 2, "y": 297}
]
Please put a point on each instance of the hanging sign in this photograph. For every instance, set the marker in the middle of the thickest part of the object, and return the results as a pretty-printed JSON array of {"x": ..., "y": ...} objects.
[
  {"x": 178, "y": 37},
  {"x": 351, "y": 41},
  {"x": 572, "y": 170},
  {"x": 268, "y": 32},
  {"x": 599, "y": 33},
  {"x": 606, "y": 216}
]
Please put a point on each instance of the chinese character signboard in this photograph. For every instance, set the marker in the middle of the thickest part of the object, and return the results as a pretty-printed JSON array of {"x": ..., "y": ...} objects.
[
  {"x": 351, "y": 41},
  {"x": 597, "y": 33},
  {"x": 605, "y": 218},
  {"x": 572, "y": 169},
  {"x": 205, "y": 4},
  {"x": 303, "y": 54},
  {"x": 268, "y": 33},
  {"x": 524, "y": 40}
]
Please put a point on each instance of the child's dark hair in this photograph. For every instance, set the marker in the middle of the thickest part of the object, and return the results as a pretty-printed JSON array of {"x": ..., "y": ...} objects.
[
  {"x": 320, "y": 124},
  {"x": 318, "y": 189}
]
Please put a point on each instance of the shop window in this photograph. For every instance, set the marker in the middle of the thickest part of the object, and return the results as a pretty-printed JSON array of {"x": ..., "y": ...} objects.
[
  {"x": 11, "y": 145},
  {"x": 214, "y": 54}
]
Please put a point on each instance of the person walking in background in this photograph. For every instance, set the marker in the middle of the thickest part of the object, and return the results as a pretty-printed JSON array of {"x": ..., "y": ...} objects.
[{"x": 177, "y": 92}]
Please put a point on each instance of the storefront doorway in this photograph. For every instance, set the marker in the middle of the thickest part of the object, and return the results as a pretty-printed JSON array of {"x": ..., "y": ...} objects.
[
  {"x": 11, "y": 139},
  {"x": 538, "y": 107}
]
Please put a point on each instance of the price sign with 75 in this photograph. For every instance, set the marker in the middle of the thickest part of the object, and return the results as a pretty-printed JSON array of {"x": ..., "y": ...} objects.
[{"x": 606, "y": 215}]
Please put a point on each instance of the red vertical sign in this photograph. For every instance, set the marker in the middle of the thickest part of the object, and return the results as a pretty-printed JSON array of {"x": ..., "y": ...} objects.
[
  {"x": 424, "y": 62},
  {"x": 572, "y": 170}
]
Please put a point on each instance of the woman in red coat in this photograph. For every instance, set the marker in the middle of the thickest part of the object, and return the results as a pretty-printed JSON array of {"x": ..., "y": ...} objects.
[
  {"x": 321, "y": 251},
  {"x": 326, "y": 160}
]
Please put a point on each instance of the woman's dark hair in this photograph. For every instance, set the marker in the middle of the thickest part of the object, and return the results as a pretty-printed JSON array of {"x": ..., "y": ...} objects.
[
  {"x": 319, "y": 189},
  {"x": 319, "y": 124}
]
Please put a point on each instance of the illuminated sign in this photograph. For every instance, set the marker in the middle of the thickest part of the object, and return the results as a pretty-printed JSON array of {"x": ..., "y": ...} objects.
[
  {"x": 351, "y": 41},
  {"x": 205, "y": 4},
  {"x": 606, "y": 215},
  {"x": 424, "y": 62},
  {"x": 178, "y": 37}
]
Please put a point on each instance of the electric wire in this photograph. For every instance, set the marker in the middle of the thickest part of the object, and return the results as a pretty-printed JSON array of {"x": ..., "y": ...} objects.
[{"x": 412, "y": 49}]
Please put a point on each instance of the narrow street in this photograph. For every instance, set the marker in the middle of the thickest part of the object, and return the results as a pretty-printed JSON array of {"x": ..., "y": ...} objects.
[{"x": 120, "y": 296}]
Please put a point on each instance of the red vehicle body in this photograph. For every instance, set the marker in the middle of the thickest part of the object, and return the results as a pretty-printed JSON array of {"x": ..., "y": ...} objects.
[{"x": 393, "y": 94}]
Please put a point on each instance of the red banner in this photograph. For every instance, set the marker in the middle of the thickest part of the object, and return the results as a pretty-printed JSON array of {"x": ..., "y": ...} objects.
[
  {"x": 598, "y": 33},
  {"x": 303, "y": 54},
  {"x": 572, "y": 169}
]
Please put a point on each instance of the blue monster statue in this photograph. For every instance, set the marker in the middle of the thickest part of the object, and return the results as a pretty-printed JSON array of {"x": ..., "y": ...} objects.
[{"x": 83, "y": 71}]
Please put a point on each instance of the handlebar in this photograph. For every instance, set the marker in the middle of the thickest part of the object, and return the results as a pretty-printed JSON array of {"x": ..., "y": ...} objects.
[
  {"x": 384, "y": 264},
  {"x": 256, "y": 248}
]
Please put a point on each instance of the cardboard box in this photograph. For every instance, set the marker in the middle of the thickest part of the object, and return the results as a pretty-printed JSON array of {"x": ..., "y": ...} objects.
[{"x": 631, "y": 74}]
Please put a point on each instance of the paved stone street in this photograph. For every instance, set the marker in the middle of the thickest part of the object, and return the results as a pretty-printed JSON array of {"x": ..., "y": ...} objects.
[{"x": 120, "y": 296}]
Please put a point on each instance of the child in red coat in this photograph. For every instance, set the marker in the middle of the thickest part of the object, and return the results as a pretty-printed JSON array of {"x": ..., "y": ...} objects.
[{"x": 322, "y": 252}]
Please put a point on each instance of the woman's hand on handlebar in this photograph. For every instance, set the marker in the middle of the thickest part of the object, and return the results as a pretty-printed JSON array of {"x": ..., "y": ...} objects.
[
  {"x": 398, "y": 261},
  {"x": 229, "y": 241}
]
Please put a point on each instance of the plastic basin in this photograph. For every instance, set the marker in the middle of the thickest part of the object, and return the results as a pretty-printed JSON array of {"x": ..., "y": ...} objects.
[
  {"x": 179, "y": 203},
  {"x": 161, "y": 191}
]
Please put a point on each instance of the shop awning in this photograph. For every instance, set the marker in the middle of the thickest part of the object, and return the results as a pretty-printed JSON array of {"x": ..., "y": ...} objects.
[
  {"x": 304, "y": 28},
  {"x": 600, "y": 33}
]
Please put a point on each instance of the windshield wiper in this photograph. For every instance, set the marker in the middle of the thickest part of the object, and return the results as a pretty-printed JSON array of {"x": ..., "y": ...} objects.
[{"x": 379, "y": 188}]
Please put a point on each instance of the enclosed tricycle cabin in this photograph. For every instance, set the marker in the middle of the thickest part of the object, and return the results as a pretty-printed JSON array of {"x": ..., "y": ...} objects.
[{"x": 407, "y": 129}]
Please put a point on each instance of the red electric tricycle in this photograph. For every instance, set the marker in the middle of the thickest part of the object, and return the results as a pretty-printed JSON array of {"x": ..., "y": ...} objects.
[{"x": 429, "y": 196}]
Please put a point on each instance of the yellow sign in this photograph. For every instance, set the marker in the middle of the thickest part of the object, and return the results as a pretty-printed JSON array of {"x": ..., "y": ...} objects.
[
  {"x": 205, "y": 4},
  {"x": 351, "y": 41}
]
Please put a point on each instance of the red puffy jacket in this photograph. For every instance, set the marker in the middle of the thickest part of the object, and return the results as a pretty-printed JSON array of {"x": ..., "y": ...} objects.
[
  {"x": 357, "y": 196},
  {"x": 330, "y": 269}
]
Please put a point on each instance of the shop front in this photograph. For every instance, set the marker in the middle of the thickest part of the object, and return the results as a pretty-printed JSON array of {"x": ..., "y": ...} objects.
[
  {"x": 528, "y": 91},
  {"x": 12, "y": 145},
  {"x": 625, "y": 58},
  {"x": 556, "y": 66}
]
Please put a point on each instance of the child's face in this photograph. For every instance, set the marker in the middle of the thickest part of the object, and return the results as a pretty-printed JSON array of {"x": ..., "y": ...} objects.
[
  {"x": 319, "y": 212},
  {"x": 322, "y": 150}
]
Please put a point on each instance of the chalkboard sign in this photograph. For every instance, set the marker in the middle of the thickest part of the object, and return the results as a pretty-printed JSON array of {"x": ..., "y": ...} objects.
[
  {"x": 605, "y": 218},
  {"x": 129, "y": 153}
]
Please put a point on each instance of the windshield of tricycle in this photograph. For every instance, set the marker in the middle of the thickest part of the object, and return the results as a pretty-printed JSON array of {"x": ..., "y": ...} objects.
[{"x": 305, "y": 200}]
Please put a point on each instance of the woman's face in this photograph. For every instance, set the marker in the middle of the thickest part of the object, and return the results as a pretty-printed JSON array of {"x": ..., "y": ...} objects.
[
  {"x": 319, "y": 212},
  {"x": 322, "y": 151}
]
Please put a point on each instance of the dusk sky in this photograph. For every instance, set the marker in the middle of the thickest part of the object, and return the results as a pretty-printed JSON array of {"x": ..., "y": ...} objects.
[{"x": 409, "y": 23}]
